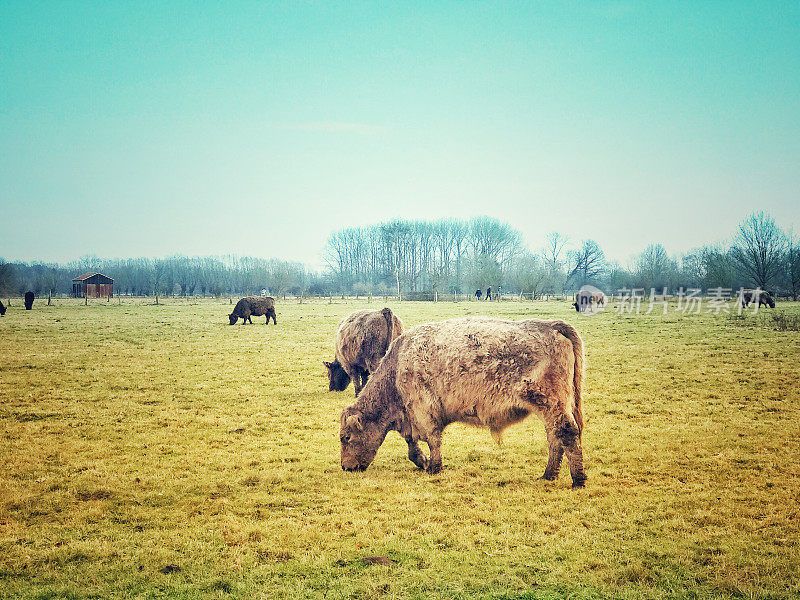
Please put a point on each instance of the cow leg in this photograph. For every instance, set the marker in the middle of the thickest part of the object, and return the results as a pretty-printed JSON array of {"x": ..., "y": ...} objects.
[
  {"x": 556, "y": 452},
  {"x": 415, "y": 454},
  {"x": 364, "y": 377},
  {"x": 569, "y": 435},
  {"x": 434, "y": 441},
  {"x": 355, "y": 375}
]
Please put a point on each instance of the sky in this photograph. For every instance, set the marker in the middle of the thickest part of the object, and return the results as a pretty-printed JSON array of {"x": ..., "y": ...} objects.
[{"x": 151, "y": 128}]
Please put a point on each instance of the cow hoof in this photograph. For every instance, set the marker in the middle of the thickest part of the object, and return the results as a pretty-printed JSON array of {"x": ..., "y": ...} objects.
[
  {"x": 579, "y": 483},
  {"x": 548, "y": 477}
]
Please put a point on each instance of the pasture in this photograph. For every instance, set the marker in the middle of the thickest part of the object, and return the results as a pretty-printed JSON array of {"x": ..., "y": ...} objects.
[{"x": 158, "y": 452}]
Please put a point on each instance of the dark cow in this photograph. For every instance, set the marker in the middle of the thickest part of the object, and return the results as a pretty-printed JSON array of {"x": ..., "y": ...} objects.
[
  {"x": 29, "y": 300},
  {"x": 254, "y": 306},
  {"x": 763, "y": 298},
  {"x": 588, "y": 299},
  {"x": 481, "y": 371},
  {"x": 361, "y": 342},
  {"x": 2, "y": 310},
  {"x": 478, "y": 294}
]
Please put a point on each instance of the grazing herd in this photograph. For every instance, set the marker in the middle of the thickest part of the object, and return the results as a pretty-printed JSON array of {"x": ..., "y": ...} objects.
[{"x": 487, "y": 372}]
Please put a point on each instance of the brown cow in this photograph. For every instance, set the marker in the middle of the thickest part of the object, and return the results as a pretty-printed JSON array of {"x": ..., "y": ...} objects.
[
  {"x": 361, "y": 342},
  {"x": 482, "y": 371},
  {"x": 255, "y": 306},
  {"x": 763, "y": 298},
  {"x": 587, "y": 299}
]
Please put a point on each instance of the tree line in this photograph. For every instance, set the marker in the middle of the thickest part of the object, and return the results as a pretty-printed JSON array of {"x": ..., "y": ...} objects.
[
  {"x": 172, "y": 276},
  {"x": 423, "y": 259},
  {"x": 419, "y": 258}
]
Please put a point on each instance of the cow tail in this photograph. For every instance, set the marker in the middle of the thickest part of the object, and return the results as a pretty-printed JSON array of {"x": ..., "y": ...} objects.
[
  {"x": 387, "y": 314},
  {"x": 569, "y": 332}
]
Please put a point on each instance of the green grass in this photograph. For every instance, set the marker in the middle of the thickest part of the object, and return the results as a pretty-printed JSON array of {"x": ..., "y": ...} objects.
[{"x": 157, "y": 452}]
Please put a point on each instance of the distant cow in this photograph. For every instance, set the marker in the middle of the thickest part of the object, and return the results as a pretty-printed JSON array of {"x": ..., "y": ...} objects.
[
  {"x": 254, "y": 306},
  {"x": 29, "y": 300},
  {"x": 2, "y": 310},
  {"x": 763, "y": 298},
  {"x": 481, "y": 371},
  {"x": 361, "y": 342},
  {"x": 587, "y": 299},
  {"x": 478, "y": 294}
]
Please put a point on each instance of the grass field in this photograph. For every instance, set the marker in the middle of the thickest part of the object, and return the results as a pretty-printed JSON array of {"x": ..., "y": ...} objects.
[{"x": 157, "y": 452}]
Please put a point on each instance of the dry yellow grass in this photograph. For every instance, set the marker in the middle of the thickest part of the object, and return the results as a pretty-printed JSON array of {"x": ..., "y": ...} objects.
[{"x": 157, "y": 452}]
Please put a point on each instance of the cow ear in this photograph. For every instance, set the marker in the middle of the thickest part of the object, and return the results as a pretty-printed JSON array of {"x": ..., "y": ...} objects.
[{"x": 355, "y": 421}]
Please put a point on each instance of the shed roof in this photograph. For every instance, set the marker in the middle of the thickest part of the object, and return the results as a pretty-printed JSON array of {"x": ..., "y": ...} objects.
[{"x": 86, "y": 276}]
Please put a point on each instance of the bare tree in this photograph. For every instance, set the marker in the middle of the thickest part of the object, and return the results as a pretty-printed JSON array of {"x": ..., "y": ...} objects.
[
  {"x": 588, "y": 263},
  {"x": 553, "y": 257},
  {"x": 655, "y": 269},
  {"x": 8, "y": 278},
  {"x": 758, "y": 249},
  {"x": 792, "y": 265}
]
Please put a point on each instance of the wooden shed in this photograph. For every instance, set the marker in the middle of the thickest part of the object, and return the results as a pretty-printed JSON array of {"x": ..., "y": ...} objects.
[{"x": 93, "y": 285}]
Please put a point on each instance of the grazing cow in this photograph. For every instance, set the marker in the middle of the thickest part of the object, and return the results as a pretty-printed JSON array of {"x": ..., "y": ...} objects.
[
  {"x": 481, "y": 371},
  {"x": 29, "y": 300},
  {"x": 587, "y": 299},
  {"x": 255, "y": 306},
  {"x": 2, "y": 310},
  {"x": 762, "y": 297},
  {"x": 361, "y": 342}
]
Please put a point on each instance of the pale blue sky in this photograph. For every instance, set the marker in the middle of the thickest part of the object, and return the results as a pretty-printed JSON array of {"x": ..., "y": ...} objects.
[{"x": 146, "y": 129}]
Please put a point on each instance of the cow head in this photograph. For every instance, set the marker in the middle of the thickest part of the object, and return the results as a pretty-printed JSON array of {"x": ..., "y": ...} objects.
[
  {"x": 233, "y": 318},
  {"x": 769, "y": 299},
  {"x": 360, "y": 439},
  {"x": 577, "y": 306},
  {"x": 338, "y": 379}
]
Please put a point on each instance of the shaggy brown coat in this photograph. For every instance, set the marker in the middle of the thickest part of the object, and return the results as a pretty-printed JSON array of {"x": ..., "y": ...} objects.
[
  {"x": 361, "y": 342},
  {"x": 481, "y": 371},
  {"x": 763, "y": 298},
  {"x": 255, "y": 306},
  {"x": 586, "y": 299}
]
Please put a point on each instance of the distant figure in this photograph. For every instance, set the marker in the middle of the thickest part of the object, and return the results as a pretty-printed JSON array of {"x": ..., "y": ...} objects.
[
  {"x": 489, "y": 293},
  {"x": 478, "y": 294},
  {"x": 499, "y": 292},
  {"x": 2, "y": 310},
  {"x": 263, "y": 293},
  {"x": 29, "y": 300}
]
